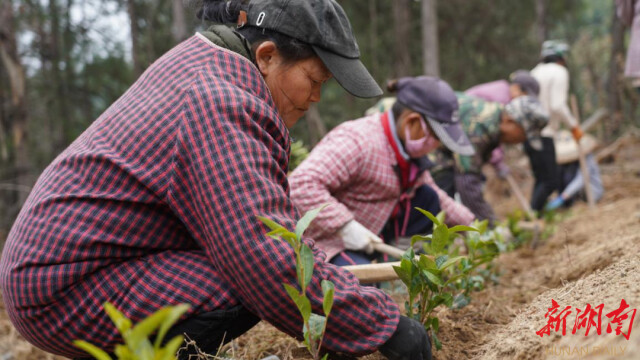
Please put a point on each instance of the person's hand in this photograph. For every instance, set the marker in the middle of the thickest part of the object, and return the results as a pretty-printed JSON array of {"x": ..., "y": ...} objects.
[
  {"x": 357, "y": 237},
  {"x": 409, "y": 342},
  {"x": 555, "y": 203},
  {"x": 577, "y": 133}
]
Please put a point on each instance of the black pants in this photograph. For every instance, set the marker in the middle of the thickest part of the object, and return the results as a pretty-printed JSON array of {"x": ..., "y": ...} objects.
[
  {"x": 425, "y": 198},
  {"x": 212, "y": 329},
  {"x": 545, "y": 170}
]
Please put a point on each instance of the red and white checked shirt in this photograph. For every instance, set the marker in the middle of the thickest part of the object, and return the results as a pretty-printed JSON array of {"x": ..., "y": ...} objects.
[
  {"x": 352, "y": 169},
  {"x": 155, "y": 204}
]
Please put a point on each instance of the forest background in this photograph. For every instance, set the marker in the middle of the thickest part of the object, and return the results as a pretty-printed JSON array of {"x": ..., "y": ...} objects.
[{"x": 63, "y": 62}]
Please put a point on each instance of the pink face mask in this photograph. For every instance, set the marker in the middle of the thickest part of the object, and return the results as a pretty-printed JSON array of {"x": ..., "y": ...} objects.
[{"x": 420, "y": 147}]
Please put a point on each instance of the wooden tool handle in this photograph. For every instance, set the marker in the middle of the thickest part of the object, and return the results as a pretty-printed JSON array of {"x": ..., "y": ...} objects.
[
  {"x": 388, "y": 249},
  {"x": 372, "y": 273},
  {"x": 583, "y": 159}
]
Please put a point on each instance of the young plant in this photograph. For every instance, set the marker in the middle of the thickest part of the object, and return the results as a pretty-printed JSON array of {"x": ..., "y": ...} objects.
[
  {"x": 314, "y": 325},
  {"x": 137, "y": 345},
  {"x": 426, "y": 276},
  {"x": 482, "y": 246}
]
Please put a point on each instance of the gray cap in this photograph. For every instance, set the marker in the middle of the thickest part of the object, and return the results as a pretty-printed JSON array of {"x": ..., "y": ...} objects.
[
  {"x": 527, "y": 83},
  {"x": 436, "y": 101},
  {"x": 324, "y": 25},
  {"x": 529, "y": 113}
]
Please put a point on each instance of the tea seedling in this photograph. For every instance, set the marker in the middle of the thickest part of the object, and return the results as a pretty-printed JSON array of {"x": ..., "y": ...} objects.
[
  {"x": 314, "y": 325},
  {"x": 137, "y": 345}
]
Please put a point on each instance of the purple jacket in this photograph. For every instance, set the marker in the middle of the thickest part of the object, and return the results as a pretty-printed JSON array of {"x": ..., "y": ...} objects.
[{"x": 495, "y": 91}]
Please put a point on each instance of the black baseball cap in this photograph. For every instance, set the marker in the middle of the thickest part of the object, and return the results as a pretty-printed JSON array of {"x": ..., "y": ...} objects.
[
  {"x": 324, "y": 25},
  {"x": 438, "y": 104}
]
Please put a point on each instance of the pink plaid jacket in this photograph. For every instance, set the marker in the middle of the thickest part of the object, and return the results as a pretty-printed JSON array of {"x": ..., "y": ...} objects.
[{"x": 352, "y": 169}]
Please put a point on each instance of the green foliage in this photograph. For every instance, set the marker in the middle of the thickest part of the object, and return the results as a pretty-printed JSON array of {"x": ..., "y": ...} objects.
[
  {"x": 429, "y": 276},
  {"x": 314, "y": 325},
  {"x": 299, "y": 152},
  {"x": 137, "y": 345},
  {"x": 482, "y": 247}
]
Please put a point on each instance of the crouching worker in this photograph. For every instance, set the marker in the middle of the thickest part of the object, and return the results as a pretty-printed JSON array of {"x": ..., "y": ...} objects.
[
  {"x": 374, "y": 171},
  {"x": 487, "y": 124},
  {"x": 156, "y": 203}
]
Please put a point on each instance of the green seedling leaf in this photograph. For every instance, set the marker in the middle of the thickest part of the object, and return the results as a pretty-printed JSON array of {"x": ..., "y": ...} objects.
[
  {"x": 427, "y": 262},
  {"x": 286, "y": 235},
  {"x": 325, "y": 357},
  {"x": 441, "y": 217},
  {"x": 409, "y": 254},
  {"x": 482, "y": 226},
  {"x": 138, "y": 338},
  {"x": 435, "y": 324},
  {"x": 435, "y": 220},
  {"x": 122, "y": 352},
  {"x": 306, "y": 220},
  {"x": 416, "y": 238},
  {"x": 450, "y": 262},
  {"x": 433, "y": 278},
  {"x": 461, "y": 300},
  {"x": 122, "y": 323},
  {"x": 305, "y": 269},
  {"x": 175, "y": 312},
  {"x": 316, "y": 323},
  {"x": 403, "y": 275},
  {"x": 92, "y": 350},
  {"x": 440, "y": 239},
  {"x": 301, "y": 301},
  {"x": 441, "y": 260},
  {"x": 274, "y": 226},
  {"x": 461, "y": 228},
  {"x": 328, "y": 290},
  {"x": 436, "y": 341},
  {"x": 170, "y": 350}
]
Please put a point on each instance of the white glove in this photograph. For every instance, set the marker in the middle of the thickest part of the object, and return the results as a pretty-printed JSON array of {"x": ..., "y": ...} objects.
[{"x": 357, "y": 237}]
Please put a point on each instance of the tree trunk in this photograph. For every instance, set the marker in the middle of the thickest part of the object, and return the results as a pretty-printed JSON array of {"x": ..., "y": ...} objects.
[
  {"x": 430, "y": 50},
  {"x": 57, "y": 100},
  {"x": 373, "y": 38},
  {"x": 542, "y": 30},
  {"x": 402, "y": 35},
  {"x": 317, "y": 128},
  {"x": 135, "y": 51},
  {"x": 179, "y": 25},
  {"x": 615, "y": 88},
  {"x": 16, "y": 121}
]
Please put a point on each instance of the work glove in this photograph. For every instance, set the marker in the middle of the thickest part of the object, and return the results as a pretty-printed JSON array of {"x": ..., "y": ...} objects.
[
  {"x": 555, "y": 203},
  {"x": 577, "y": 133},
  {"x": 409, "y": 342},
  {"x": 357, "y": 237}
]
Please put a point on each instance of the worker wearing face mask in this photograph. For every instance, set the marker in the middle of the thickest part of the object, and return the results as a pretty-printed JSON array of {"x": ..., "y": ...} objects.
[{"x": 374, "y": 171}]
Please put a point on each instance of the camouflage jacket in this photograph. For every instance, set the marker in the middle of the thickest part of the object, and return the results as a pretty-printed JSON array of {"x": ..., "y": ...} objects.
[{"x": 481, "y": 122}]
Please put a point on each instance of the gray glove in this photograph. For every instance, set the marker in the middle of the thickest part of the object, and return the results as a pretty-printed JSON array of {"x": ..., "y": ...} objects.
[{"x": 409, "y": 342}]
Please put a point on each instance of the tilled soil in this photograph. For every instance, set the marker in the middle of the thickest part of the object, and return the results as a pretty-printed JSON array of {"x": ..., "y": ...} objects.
[{"x": 592, "y": 258}]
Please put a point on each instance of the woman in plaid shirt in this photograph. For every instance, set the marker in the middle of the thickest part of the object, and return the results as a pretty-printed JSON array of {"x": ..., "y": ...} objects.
[
  {"x": 156, "y": 203},
  {"x": 374, "y": 171}
]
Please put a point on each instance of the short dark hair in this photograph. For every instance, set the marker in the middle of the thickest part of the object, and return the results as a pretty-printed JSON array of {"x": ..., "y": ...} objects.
[
  {"x": 291, "y": 49},
  {"x": 227, "y": 12},
  {"x": 552, "y": 59}
]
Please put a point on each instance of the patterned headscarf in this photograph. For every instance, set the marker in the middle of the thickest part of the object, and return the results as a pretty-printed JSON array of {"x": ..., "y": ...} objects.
[{"x": 529, "y": 113}]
